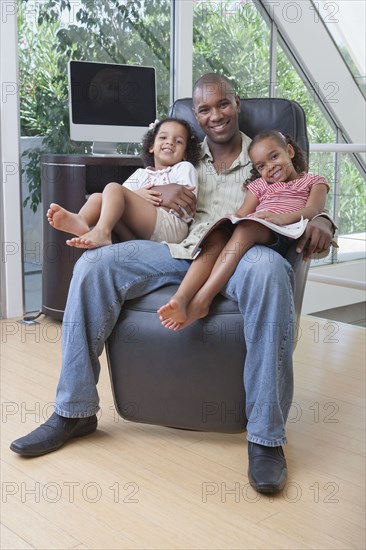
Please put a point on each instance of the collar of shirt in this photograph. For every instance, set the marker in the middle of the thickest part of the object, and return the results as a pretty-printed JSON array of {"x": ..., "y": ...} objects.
[
  {"x": 153, "y": 170},
  {"x": 243, "y": 158}
]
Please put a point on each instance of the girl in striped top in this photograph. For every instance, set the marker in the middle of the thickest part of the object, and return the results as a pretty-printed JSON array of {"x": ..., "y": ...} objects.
[{"x": 280, "y": 191}]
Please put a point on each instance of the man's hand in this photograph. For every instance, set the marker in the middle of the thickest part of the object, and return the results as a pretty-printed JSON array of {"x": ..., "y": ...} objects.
[
  {"x": 150, "y": 194},
  {"x": 317, "y": 236},
  {"x": 175, "y": 197}
]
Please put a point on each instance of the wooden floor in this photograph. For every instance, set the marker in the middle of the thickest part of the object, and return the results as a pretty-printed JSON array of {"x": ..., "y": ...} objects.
[{"x": 139, "y": 486}]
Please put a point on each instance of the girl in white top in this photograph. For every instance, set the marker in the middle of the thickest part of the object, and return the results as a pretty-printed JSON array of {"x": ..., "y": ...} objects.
[{"x": 132, "y": 211}]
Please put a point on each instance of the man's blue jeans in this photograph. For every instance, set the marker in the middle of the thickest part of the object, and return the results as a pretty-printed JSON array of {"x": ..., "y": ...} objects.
[{"x": 105, "y": 277}]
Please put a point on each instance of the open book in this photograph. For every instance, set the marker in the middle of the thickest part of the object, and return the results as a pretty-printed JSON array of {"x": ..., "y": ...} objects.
[{"x": 293, "y": 230}]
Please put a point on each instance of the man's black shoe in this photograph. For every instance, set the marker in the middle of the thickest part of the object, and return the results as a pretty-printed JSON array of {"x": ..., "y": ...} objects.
[
  {"x": 53, "y": 434},
  {"x": 267, "y": 470}
]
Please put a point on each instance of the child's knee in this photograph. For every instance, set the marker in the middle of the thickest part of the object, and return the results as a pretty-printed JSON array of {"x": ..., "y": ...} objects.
[
  {"x": 113, "y": 185},
  {"x": 95, "y": 198}
]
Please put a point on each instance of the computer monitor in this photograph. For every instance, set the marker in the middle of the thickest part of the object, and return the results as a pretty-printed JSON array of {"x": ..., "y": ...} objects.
[{"x": 110, "y": 103}]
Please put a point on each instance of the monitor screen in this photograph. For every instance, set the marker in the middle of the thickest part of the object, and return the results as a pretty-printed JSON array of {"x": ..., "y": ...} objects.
[{"x": 110, "y": 103}]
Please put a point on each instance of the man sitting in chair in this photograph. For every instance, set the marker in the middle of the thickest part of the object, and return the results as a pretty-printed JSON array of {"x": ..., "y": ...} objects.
[{"x": 97, "y": 294}]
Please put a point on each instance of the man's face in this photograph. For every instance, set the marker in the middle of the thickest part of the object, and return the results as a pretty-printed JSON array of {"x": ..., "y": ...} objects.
[{"x": 216, "y": 109}]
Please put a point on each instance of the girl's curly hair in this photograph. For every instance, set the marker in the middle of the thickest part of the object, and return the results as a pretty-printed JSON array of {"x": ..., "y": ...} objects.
[
  {"x": 299, "y": 162},
  {"x": 193, "y": 150}
]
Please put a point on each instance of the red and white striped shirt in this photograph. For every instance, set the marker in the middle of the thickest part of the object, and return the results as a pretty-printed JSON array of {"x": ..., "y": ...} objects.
[{"x": 285, "y": 196}]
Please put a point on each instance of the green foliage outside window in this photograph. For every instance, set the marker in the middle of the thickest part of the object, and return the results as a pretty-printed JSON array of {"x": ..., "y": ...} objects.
[
  {"x": 232, "y": 38},
  {"x": 43, "y": 96},
  {"x": 54, "y": 31}
]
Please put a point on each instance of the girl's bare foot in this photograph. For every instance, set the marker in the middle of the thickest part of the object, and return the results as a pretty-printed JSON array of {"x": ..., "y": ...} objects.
[
  {"x": 62, "y": 219},
  {"x": 196, "y": 309},
  {"x": 175, "y": 310},
  {"x": 170, "y": 324},
  {"x": 93, "y": 239}
]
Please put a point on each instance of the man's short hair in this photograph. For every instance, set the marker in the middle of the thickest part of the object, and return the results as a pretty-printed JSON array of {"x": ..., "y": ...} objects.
[{"x": 208, "y": 82}]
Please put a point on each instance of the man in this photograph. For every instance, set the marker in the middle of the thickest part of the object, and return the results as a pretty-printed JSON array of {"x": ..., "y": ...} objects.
[{"x": 262, "y": 289}]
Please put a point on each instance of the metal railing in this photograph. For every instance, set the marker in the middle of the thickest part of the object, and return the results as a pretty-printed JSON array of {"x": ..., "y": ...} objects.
[
  {"x": 358, "y": 151},
  {"x": 338, "y": 281},
  {"x": 338, "y": 147}
]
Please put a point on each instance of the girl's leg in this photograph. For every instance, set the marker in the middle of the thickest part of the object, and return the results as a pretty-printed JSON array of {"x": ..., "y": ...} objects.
[
  {"x": 119, "y": 205},
  {"x": 123, "y": 232},
  {"x": 246, "y": 235},
  {"x": 76, "y": 224},
  {"x": 175, "y": 311}
]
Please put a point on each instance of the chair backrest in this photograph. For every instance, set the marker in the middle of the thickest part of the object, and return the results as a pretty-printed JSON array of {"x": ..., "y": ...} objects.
[{"x": 256, "y": 115}]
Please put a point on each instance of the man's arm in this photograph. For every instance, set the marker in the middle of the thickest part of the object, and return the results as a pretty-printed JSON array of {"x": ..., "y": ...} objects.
[
  {"x": 150, "y": 194},
  {"x": 318, "y": 236},
  {"x": 177, "y": 197}
]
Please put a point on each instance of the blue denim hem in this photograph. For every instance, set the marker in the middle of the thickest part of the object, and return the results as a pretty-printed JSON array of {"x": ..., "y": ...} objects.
[
  {"x": 265, "y": 442},
  {"x": 67, "y": 414}
]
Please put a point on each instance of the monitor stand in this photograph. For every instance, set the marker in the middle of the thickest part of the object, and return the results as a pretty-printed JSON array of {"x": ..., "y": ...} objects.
[{"x": 106, "y": 149}]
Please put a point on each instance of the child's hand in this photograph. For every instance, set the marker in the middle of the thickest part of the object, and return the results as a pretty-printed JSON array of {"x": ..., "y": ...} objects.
[
  {"x": 150, "y": 194},
  {"x": 278, "y": 219}
]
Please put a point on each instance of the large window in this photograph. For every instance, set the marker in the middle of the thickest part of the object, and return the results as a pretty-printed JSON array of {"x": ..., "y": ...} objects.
[
  {"x": 50, "y": 34},
  {"x": 232, "y": 38}
]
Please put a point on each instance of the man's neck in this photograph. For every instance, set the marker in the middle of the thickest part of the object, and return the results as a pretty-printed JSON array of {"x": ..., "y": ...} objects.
[{"x": 224, "y": 154}]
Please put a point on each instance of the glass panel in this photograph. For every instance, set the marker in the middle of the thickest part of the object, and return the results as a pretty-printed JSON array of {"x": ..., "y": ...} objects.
[
  {"x": 50, "y": 34},
  {"x": 352, "y": 207},
  {"x": 324, "y": 164},
  {"x": 232, "y": 38},
  {"x": 346, "y": 200},
  {"x": 345, "y": 22},
  {"x": 290, "y": 85}
]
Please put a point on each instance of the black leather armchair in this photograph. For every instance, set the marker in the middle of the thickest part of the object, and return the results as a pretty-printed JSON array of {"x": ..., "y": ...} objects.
[{"x": 193, "y": 379}]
